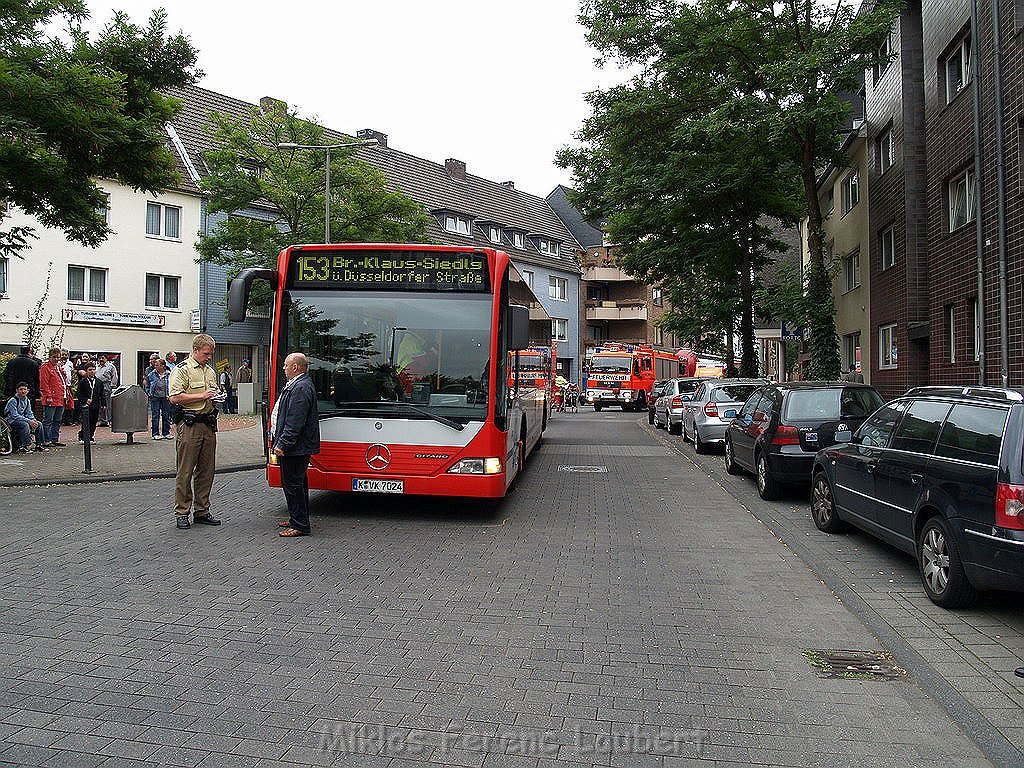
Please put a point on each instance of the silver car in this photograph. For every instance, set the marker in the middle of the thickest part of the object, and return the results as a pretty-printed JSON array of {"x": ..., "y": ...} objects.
[
  {"x": 703, "y": 419},
  {"x": 668, "y": 409}
]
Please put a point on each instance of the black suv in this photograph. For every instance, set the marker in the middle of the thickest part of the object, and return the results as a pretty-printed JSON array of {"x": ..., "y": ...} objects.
[
  {"x": 937, "y": 473},
  {"x": 781, "y": 427}
]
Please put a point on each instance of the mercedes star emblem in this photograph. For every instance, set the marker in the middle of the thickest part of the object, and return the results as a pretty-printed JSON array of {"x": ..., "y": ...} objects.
[{"x": 378, "y": 456}]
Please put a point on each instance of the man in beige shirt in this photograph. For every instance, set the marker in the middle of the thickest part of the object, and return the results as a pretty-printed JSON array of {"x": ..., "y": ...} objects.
[{"x": 193, "y": 386}]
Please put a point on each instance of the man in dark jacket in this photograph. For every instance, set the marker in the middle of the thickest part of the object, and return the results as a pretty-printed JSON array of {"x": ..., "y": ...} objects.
[
  {"x": 295, "y": 430},
  {"x": 22, "y": 368},
  {"x": 89, "y": 393}
]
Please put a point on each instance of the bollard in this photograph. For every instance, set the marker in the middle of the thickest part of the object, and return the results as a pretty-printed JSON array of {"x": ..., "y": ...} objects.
[{"x": 87, "y": 438}]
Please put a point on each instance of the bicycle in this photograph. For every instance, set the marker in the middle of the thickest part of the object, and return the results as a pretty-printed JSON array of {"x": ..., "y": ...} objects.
[{"x": 6, "y": 438}]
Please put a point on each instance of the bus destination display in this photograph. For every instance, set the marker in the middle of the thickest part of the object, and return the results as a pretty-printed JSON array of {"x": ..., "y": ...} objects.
[{"x": 391, "y": 270}]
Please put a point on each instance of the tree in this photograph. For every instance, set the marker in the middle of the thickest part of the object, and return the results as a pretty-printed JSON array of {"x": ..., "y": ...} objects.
[
  {"x": 784, "y": 65},
  {"x": 74, "y": 110},
  {"x": 248, "y": 170}
]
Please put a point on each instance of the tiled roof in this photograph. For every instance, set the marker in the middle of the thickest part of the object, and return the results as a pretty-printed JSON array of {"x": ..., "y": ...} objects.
[
  {"x": 585, "y": 232},
  {"x": 424, "y": 181}
]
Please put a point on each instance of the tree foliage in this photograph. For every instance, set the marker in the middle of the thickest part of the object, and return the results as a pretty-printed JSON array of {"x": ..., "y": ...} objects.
[
  {"x": 74, "y": 110},
  {"x": 734, "y": 109},
  {"x": 248, "y": 170}
]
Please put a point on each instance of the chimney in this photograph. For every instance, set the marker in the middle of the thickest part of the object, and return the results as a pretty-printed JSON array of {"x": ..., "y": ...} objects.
[
  {"x": 369, "y": 133},
  {"x": 509, "y": 184},
  {"x": 456, "y": 169},
  {"x": 269, "y": 104}
]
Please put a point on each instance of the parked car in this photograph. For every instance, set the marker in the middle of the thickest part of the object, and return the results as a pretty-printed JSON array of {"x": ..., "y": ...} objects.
[
  {"x": 657, "y": 390},
  {"x": 937, "y": 473},
  {"x": 703, "y": 416},
  {"x": 781, "y": 427},
  {"x": 668, "y": 408}
]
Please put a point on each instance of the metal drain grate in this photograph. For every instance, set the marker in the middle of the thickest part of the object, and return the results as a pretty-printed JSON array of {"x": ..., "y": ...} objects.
[
  {"x": 571, "y": 468},
  {"x": 854, "y": 665}
]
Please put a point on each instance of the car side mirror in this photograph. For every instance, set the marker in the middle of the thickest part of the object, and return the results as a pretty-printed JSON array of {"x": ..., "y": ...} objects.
[
  {"x": 844, "y": 436},
  {"x": 730, "y": 413},
  {"x": 748, "y": 419}
]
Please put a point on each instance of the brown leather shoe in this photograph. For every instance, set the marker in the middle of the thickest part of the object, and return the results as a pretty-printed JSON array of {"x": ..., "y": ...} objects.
[{"x": 289, "y": 532}]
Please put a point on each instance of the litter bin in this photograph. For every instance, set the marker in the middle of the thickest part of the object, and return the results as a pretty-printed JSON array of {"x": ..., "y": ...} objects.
[{"x": 129, "y": 410}]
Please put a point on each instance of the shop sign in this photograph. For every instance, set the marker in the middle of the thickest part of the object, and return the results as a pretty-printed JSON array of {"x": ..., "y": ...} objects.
[{"x": 72, "y": 315}]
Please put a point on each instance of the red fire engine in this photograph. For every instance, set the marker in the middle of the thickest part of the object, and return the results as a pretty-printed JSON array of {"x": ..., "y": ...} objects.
[{"x": 623, "y": 375}]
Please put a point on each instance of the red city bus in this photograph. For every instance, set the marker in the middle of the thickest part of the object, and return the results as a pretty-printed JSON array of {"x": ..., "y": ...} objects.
[
  {"x": 415, "y": 351},
  {"x": 623, "y": 374}
]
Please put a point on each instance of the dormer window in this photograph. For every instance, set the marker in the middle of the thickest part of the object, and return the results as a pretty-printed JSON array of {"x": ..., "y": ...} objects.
[
  {"x": 515, "y": 239},
  {"x": 494, "y": 233},
  {"x": 547, "y": 247},
  {"x": 456, "y": 224}
]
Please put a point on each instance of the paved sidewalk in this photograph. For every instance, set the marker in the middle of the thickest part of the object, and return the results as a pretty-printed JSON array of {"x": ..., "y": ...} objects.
[
  {"x": 238, "y": 447},
  {"x": 618, "y": 609}
]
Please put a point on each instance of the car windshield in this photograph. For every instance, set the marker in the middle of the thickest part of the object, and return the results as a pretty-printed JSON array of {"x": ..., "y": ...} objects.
[
  {"x": 370, "y": 350},
  {"x": 733, "y": 393},
  {"x": 659, "y": 388},
  {"x": 610, "y": 364}
]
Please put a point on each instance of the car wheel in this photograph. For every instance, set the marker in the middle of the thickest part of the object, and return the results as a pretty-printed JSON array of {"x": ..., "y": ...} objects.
[
  {"x": 597, "y": 407},
  {"x": 650, "y": 416},
  {"x": 942, "y": 571},
  {"x": 823, "y": 506},
  {"x": 674, "y": 429},
  {"x": 682, "y": 430},
  {"x": 730, "y": 460},
  {"x": 699, "y": 445},
  {"x": 767, "y": 486}
]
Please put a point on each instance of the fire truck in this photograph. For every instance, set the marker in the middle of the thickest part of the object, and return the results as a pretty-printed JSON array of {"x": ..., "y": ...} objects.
[
  {"x": 702, "y": 366},
  {"x": 623, "y": 374}
]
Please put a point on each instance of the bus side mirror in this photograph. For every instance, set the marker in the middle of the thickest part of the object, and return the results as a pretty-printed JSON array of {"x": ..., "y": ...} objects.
[
  {"x": 238, "y": 290},
  {"x": 518, "y": 327}
]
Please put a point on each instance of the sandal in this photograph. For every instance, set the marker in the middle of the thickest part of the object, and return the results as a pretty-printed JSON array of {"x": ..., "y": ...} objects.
[
  {"x": 289, "y": 532},
  {"x": 285, "y": 523}
]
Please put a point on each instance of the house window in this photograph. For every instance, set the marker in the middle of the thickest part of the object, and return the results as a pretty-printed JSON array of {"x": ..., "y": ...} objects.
[
  {"x": 161, "y": 292},
  {"x": 829, "y": 204},
  {"x": 528, "y": 277},
  {"x": 596, "y": 333},
  {"x": 885, "y": 52},
  {"x": 594, "y": 293},
  {"x": 558, "y": 288},
  {"x": 87, "y": 284},
  {"x": 851, "y": 271},
  {"x": 888, "y": 239},
  {"x": 103, "y": 209},
  {"x": 887, "y": 352},
  {"x": 515, "y": 239},
  {"x": 3, "y": 277},
  {"x": 560, "y": 329},
  {"x": 974, "y": 338},
  {"x": 957, "y": 68},
  {"x": 656, "y": 297},
  {"x": 949, "y": 311},
  {"x": 961, "y": 199},
  {"x": 458, "y": 225},
  {"x": 886, "y": 150},
  {"x": 850, "y": 191},
  {"x": 163, "y": 220},
  {"x": 659, "y": 335},
  {"x": 547, "y": 247},
  {"x": 494, "y": 234},
  {"x": 851, "y": 351}
]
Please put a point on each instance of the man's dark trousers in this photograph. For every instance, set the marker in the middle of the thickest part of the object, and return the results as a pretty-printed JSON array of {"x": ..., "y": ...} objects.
[{"x": 295, "y": 485}]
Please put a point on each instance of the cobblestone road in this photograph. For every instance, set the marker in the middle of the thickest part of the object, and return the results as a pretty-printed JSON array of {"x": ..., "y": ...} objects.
[{"x": 633, "y": 616}]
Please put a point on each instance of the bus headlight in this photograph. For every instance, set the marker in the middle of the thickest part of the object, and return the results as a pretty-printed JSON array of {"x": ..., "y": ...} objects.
[{"x": 489, "y": 466}]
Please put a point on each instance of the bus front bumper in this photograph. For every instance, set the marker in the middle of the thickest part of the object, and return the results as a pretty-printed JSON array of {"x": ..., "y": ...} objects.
[{"x": 446, "y": 484}]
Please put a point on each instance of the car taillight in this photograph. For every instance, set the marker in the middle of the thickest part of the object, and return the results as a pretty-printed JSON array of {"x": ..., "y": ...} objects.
[
  {"x": 1010, "y": 506},
  {"x": 786, "y": 436},
  {"x": 711, "y": 409},
  {"x": 677, "y": 402}
]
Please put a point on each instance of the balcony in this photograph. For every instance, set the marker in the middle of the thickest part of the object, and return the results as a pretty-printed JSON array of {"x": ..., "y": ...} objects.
[
  {"x": 630, "y": 309},
  {"x": 608, "y": 273}
]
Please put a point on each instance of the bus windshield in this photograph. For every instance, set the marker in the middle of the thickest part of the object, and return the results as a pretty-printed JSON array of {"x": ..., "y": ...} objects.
[
  {"x": 371, "y": 351},
  {"x": 611, "y": 364}
]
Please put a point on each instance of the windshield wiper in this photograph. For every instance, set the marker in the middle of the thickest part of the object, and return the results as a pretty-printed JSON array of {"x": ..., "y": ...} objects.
[{"x": 374, "y": 404}]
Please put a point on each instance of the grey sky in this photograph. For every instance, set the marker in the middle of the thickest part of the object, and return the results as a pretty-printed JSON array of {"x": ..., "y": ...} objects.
[{"x": 498, "y": 84}]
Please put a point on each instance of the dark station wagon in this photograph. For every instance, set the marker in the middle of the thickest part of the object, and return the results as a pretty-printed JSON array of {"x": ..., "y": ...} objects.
[
  {"x": 781, "y": 427},
  {"x": 938, "y": 473}
]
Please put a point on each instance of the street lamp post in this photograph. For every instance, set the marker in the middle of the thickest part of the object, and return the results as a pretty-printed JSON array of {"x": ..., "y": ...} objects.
[{"x": 327, "y": 186}]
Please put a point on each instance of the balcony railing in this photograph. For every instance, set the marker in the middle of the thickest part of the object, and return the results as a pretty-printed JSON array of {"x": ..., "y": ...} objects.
[
  {"x": 606, "y": 273},
  {"x": 616, "y": 310}
]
